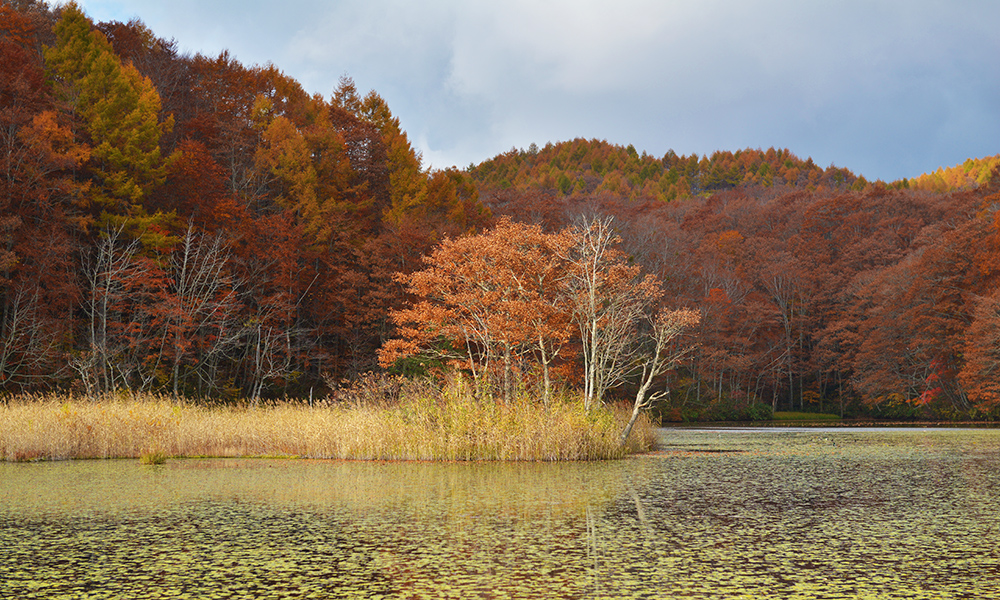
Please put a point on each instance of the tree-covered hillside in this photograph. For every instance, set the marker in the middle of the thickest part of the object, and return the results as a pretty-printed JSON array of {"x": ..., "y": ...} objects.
[
  {"x": 595, "y": 167},
  {"x": 191, "y": 225},
  {"x": 194, "y": 225},
  {"x": 865, "y": 298}
]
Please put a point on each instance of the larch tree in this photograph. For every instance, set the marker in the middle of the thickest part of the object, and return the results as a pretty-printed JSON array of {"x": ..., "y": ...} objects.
[
  {"x": 980, "y": 373},
  {"x": 406, "y": 175},
  {"x": 37, "y": 158},
  {"x": 120, "y": 113}
]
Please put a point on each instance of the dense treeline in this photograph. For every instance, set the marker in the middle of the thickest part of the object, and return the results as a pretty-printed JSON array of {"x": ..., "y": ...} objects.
[
  {"x": 880, "y": 302},
  {"x": 191, "y": 225},
  {"x": 597, "y": 167}
]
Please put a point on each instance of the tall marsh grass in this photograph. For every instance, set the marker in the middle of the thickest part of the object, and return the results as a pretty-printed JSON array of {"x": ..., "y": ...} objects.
[{"x": 447, "y": 424}]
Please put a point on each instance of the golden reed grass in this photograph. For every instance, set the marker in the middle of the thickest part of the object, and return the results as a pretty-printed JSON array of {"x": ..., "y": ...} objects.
[{"x": 448, "y": 427}]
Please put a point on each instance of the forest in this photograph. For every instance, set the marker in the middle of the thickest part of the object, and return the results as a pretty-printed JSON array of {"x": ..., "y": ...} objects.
[{"x": 193, "y": 226}]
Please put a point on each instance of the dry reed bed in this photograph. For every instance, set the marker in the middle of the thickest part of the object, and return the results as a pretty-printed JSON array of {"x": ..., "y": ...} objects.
[{"x": 56, "y": 427}]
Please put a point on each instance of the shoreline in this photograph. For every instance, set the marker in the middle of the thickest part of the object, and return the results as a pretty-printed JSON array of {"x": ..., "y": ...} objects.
[{"x": 845, "y": 424}]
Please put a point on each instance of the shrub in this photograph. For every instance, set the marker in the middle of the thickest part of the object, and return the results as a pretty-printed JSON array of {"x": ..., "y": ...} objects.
[{"x": 759, "y": 411}]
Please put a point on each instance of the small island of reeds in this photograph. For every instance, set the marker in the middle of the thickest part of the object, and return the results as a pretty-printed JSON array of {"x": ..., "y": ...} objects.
[{"x": 415, "y": 422}]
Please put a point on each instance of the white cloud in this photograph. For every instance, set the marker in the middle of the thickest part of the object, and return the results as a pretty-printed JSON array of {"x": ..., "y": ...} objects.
[
  {"x": 564, "y": 46},
  {"x": 889, "y": 88}
]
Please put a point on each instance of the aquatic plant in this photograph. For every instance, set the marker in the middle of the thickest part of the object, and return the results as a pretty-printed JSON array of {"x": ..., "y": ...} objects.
[
  {"x": 153, "y": 457},
  {"x": 714, "y": 514}
]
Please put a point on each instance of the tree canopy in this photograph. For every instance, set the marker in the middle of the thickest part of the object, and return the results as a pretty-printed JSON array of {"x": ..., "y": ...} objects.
[{"x": 193, "y": 225}]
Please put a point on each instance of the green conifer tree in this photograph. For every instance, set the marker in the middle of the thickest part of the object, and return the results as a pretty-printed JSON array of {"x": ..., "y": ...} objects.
[{"x": 119, "y": 111}]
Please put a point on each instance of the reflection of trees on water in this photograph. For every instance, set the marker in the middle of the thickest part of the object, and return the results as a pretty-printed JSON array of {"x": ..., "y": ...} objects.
[{"x": 622, "y": 542}]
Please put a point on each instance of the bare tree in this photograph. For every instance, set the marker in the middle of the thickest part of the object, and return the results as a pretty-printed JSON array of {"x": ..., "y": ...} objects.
[
  {"x": 29, "y": 344},
  {"x": 609, "y": 298},
  {"x": 269, "y": 354},
  {"x": 620, "y": 335},
  {"x": 204, "y": 305},
  {"x": 125, "y": 335},
  {"x": 661, "y": 341}
]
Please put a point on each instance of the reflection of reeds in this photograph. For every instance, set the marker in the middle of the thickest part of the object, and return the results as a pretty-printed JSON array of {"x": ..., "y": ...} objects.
[
  {"x": 446, "y": 427},
  {"x": 442, "y": 493}
]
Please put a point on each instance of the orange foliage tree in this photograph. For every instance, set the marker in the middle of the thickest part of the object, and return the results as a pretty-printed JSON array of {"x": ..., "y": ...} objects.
[
  {"x": 503, "y": 302},
  {"x": 488, "y": 303},
  {"x": 37, "y": 158}
]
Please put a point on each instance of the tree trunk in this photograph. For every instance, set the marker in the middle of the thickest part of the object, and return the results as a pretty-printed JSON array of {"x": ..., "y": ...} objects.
[{"x": 636, "y": 409}]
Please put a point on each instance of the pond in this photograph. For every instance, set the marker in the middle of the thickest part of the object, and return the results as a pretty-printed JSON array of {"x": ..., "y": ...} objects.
[{"x": 715, "y": 513}]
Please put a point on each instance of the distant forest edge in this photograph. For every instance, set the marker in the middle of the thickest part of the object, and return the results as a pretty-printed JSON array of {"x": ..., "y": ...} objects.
[
  {"x": 190, "y": 225},
  {"x": 596, "y": 167}
]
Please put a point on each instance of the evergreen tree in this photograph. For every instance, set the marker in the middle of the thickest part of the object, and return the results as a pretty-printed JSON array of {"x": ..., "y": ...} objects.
[{"x": 119, "y": 111}]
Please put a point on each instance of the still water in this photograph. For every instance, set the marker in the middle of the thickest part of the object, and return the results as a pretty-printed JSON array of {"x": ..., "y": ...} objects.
[{"x": 789, "y": 513}]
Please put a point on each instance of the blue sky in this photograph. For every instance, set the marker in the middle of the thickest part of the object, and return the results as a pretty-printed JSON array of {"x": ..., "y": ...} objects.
[{"x": 886, "y": 88}]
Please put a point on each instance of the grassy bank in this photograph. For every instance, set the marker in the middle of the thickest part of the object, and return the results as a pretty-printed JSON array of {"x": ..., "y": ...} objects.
[
  {"x": 805, "y": 416},
  {"x": 448, "y": 427}
]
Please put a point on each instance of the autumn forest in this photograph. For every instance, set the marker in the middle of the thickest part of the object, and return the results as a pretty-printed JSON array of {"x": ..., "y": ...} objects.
[{"x": 193, "y": 226}]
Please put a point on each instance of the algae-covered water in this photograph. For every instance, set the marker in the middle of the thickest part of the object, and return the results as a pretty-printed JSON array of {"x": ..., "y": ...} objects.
[{"x": 783, "y": 513}]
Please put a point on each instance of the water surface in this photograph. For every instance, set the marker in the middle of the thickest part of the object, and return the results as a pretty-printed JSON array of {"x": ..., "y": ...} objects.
[{"x": 807, "y": 513}]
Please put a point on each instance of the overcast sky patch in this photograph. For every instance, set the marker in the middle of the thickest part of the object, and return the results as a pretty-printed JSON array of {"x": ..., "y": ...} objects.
[{"x": 886, "y": 88}]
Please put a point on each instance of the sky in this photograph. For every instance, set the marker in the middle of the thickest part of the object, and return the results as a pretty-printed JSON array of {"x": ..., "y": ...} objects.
[{"x": 886, "y": 88}]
